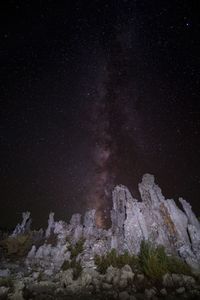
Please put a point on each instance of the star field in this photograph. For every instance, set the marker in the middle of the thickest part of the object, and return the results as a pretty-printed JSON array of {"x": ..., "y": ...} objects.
[{"x": 93, "y": 94}]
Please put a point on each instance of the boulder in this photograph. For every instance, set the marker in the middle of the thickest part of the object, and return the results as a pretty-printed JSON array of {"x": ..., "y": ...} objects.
[
  {"x": 150, "y": 293},
  {"x": 124, "y": 296},
  {"x": 66, "y": 277},
  {"x": 112, "y": 275}
]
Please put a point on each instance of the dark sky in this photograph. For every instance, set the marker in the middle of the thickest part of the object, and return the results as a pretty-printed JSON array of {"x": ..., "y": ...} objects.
[{"x": 93, "y": 94}]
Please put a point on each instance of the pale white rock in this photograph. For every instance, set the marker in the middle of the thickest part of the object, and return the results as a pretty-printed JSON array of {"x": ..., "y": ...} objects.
[
  {"x": 50, "y": 227},
  {"x": 48, "y": 272},
  {"x": 126, "y": 276},
  {"x": 118, "y": 216},
  {"x": 35, "y": 275},
  {"x": 194, "y": 234},
  {"x": 192, "y": 219},
  {"x": 153, "y": 219},
  {"x": 24, "y": 227},
  {"x": 76, "y": 228},
  {"x": 32, "y": 252},
  {"x": 75, "y": 220},
  {"x": 77, "y": 234},
  {"x": 179, "y": 219},
  {"x": 150, "y": 193},
  {"x": 100, "y": 246},
  {"x": 60, "y": 229},
  {"x": 188, "y": 256},
  {"x": 135, "y": 229},
  {"x": 48, "y": 257},
  {"x": 89, "y": 224}
]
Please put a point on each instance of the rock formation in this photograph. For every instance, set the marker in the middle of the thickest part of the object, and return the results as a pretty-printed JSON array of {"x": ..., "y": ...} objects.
[
  {"x": 24, "y": 226},
  {"x": 155, "y": 219},
  {"x": 42, "y": 275}
]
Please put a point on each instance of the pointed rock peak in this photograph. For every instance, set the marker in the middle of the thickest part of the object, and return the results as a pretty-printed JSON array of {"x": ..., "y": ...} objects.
[
  {"x": 75, "y": 220},
  {"x": 192, "y": 219},
  {"x": 122, "y": 193},
  {"x": 120, "y": 187},
  {"x": 24, "y": 226},
  {"x": 89, "y": 218},
  {"x": 51, "y": 224},
  {"x": 148, "y": 181},
  {"x": 150, "y": 191}
]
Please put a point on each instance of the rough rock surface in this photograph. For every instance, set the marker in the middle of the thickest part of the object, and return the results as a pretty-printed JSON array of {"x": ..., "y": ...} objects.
[
  {"x": 151, "y": 218},
  {"x": 24, "y": 226},
  {"x": 155, "y": 219}
]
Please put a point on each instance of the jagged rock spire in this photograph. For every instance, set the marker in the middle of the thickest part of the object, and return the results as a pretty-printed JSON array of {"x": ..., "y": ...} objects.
[
  {"x": 154, "y": 218},
  {"x": 24, "y": 226}
]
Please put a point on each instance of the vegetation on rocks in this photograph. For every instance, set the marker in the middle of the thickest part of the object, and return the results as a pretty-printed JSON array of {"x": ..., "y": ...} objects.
[
  {"x": 115, "y": 260},
  {"x": 6, "y": 281},
  {"x": 77, "y": 269},
  {"x": 178, "y": 266},
  {"x": 73, "y": 264},
  {"x": 154, "y": 262},
  {"x": 77, "y": 248},
  {"x": 16, "y": 247}
]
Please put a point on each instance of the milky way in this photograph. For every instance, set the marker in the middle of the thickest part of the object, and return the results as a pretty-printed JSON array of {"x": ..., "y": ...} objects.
[
  {"x": 94, "y": 94},
  {"x": 101, "y": 182},
  {"x": 111, "y": 114}
]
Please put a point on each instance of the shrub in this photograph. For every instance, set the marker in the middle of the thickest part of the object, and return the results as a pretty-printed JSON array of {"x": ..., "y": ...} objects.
[
  {"x": 19, "y": 246},
  {"x": 66, "y": 265},
  {"x": 77, "y": 268},
  {"x": 176, "y": 265},
  {"x": 102, "y": 263},
  {"x": 75, "y": 265},
  {"x": 77, "y": 248},
  {"x": 117, "y": 261},
  {"x": 154, "y": 262},
  {"x": 7, "y": 281}
]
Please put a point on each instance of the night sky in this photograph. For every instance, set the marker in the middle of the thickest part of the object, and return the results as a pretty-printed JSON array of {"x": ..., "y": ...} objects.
[{"x": 93, "y": 94}]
